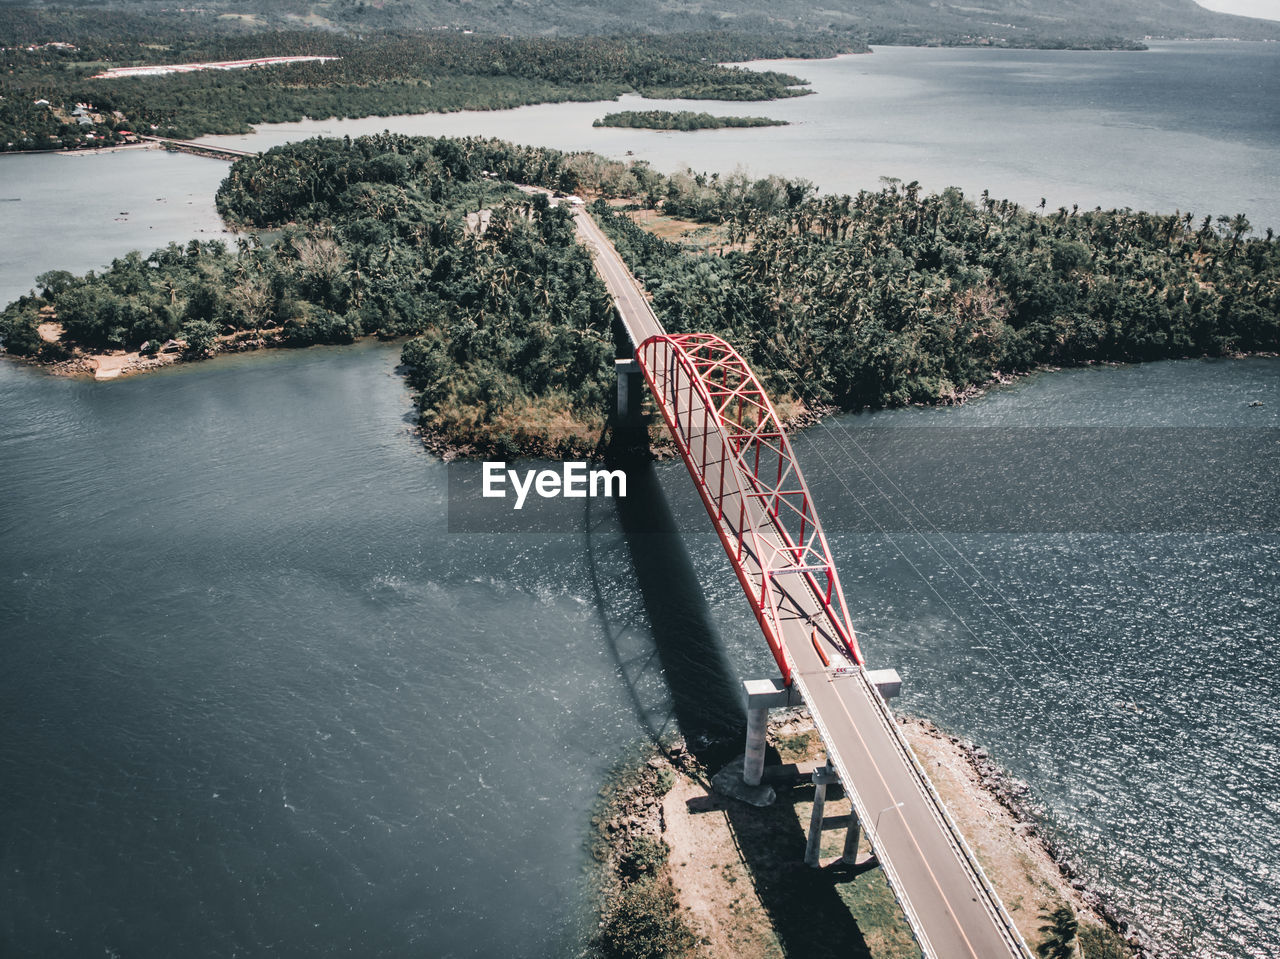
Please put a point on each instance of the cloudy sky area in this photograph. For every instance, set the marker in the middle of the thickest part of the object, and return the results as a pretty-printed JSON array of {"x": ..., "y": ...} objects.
[{"x": 1268, "y": 9}]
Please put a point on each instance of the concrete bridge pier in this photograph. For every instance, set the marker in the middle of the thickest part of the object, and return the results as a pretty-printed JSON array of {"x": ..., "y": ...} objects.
[
  {"x": 822, "y": 778},
  {"x": 766, "y": 694},
  {"x": 852, "y": 837},
  {"x": 630, "y": 393},
  {"x": 762, "y": 696}
]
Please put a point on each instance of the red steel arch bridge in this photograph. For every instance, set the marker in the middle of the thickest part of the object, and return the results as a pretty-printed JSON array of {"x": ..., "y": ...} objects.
[{"x": 742, "y": 464}]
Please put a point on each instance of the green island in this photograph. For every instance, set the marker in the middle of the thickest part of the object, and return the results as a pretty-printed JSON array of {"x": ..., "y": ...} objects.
[
  {"x": 681, "y": 120},
  {"x": 507, "y": 337},
  {"x": 886, "y": 298}
]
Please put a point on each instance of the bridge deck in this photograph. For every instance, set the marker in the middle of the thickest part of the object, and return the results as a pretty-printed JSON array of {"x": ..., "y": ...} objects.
[
  {"x": 197, "y": 148},
  {"x": 949, "y": 904}
]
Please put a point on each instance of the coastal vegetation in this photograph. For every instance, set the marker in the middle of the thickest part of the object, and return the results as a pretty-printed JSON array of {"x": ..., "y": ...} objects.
[
  {"x": 681, "y": 120},
  {"x": 1085, "y": 23},
  {"x": 888, "y": 297},
  {"x": 897, "y": 296},
  {"x": 435, "y": 55},
  {"x": 46, "y": 75},
  {"x": 513, "y": 326}
]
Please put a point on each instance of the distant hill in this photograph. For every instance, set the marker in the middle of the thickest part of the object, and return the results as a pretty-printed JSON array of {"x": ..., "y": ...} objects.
[
  {"x": 1012, "y": 21},
  {"x": 1005, "y": 22}
]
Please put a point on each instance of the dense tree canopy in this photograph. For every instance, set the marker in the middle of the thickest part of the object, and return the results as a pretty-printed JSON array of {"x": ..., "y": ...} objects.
[
  {"x": 895, "y": 296},
  {"x": 380, "y": 74},
  {"x": 680, "y": 120},
  {"x": 887, "y": 297},
  {"x": 514, "y": 327},
  {"x": 994, "y": 22}
]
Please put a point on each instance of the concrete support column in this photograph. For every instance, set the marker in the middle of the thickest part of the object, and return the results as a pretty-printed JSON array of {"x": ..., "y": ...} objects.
[
  {"x": 852, "y": 837},
  {"x": 630, "y": 387},
  {"x": 753, "y": 764},
  {"x": 813, "y": 849},
  {"x": 762, "y": 695}
]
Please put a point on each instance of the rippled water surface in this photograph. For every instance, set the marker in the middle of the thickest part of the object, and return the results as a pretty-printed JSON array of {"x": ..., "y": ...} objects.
[{"x": 256, "y": 699}]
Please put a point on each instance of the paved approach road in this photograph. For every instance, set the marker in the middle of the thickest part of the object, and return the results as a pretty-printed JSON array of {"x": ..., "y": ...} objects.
[
  {"x": 952, "y": 909},
  {"x": 637, "y": 315}
]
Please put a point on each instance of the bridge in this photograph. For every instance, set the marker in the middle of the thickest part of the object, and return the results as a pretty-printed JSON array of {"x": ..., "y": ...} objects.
[
  {"x": 196, "y": 149},
  {"x": 742, "y": 464}
]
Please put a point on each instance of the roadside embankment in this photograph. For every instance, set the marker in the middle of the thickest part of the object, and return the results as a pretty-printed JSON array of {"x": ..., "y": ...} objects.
[{"x": 688, "y": 872}]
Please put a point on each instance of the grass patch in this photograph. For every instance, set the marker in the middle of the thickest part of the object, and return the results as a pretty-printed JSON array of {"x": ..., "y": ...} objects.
[
  {"x": 797, "y": 747},
  {"x": 1099, "y": 942},
  {"x": 643, "y": 921}
]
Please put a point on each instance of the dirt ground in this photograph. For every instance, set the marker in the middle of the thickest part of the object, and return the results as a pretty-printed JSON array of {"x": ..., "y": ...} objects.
[
  {"x": 711, "y": 878},
  {"x": 1026, "y": 877},
  {"x": 688, "y": 233},
  {"x": 741, "y": 881}
]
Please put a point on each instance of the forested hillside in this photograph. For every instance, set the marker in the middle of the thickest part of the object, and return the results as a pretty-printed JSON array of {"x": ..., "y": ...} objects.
[
  {"x": 1016, "y": 22},
  {"x": 413, "y": 56}
]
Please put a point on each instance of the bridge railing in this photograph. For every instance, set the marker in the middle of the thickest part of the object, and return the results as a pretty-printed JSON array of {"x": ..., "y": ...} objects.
[{"x": 737, "y": 452}]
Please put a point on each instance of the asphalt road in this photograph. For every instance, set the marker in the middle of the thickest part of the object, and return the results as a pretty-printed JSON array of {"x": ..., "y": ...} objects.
[{"x": 637, "y": 315}]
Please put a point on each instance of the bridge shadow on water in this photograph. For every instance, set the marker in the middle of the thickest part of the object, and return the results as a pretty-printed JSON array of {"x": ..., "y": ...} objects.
[
  {"x": 669, "y": 655},
  {"x": 670, "y": 633}
]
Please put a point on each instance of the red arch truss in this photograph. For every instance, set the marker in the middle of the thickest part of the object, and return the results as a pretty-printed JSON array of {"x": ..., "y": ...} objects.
[{"x": 742, "y": 464}]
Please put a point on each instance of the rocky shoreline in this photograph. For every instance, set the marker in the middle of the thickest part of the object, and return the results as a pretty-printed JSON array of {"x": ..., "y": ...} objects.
[
  {"x": 635, "y": 896},
  {"x": 1016, "y": 797},
  {"x": 643, "y": 810}
]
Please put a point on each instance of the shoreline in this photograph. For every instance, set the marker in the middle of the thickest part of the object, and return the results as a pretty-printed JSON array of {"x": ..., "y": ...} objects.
[
  {"x": 1014, "y": 796},
  {"x": 798, "y": 417},
  {"x": 731, "y": 877},
  {"x": 83, "y": 151}
]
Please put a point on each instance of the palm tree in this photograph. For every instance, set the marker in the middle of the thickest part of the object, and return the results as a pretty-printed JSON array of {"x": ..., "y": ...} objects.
[
  {"x": 1237, "y": 227},
  {"x": 1061, "y": 927}
]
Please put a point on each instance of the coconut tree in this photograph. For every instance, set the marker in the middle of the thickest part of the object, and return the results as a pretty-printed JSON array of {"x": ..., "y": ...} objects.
[{"x": 1060, "y": 934}]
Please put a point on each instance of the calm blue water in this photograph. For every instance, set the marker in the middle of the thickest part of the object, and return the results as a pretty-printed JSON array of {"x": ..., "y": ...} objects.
[
  {"x": 77, "y": 211},
  {"x": 1183, "y": 126},
  {"x": 257, "y": 701}
]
